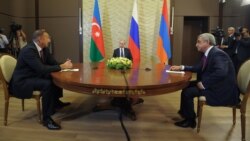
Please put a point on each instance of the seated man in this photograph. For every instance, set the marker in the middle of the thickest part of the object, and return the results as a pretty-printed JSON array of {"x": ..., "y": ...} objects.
[
  {"x": 125, "y": 104},
  {"x": 216, "y": 80},
  {"x": 122, "y": 51},
  {"x": 32, "y": 73}
]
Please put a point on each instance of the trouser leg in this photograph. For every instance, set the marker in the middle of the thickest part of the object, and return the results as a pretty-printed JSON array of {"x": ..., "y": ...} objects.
[
  {"x": 58, "y": 92},
  {"x": 46, "y": 88},
  {"x": 187, "y": 102},
  {"x": 183, "y": 98}
]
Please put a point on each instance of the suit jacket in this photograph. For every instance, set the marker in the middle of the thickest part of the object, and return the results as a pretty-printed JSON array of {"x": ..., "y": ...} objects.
[
  {"x": 29, "y": 68},
  {"x": 127, "y": 53},
  {"x": 218, "y": 78},
  {"x": 243, "y": 49},
  {"x": 231, "y": 43}
]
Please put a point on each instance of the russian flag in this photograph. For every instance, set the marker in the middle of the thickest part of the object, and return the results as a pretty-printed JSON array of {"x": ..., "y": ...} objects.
[
  {"x": 164, "y": 48},
  {"x": 134, "y": 40}
]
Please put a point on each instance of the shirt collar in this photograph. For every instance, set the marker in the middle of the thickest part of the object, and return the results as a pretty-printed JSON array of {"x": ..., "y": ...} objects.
[
  {"x": 208, "y": 50},
  {"x": 37, "y": 47}
]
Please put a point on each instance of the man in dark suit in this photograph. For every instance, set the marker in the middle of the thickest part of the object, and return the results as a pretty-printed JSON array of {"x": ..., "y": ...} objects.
[
  {"x": 216, "y": 80},
  {"x": 243, "y": 48},
  {"x": 229, "y": 44},
  {"x": 122, "y": 51},
  {"x": 124, "y": 103},
  {"x": 32, "y": 72}
]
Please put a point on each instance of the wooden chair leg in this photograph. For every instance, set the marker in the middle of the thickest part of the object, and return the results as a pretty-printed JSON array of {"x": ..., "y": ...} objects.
[
  {"x": 22, "y": 104},
  {"x": 234, "y": 115},
  {"x": 6, "y": 109},
  {"x": 39, "y": 109},
  {"x": 200, "y": 104},
  {"x": 243, "y": 126},
  {"x": 198, "y": 107}
]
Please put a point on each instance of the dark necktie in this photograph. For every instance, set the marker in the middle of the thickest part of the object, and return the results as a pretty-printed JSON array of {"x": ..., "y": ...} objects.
[
  {"x": 121, "y": 52},
  {"x": 204, "y": 61},
  {"x": 42, "y": 55}
]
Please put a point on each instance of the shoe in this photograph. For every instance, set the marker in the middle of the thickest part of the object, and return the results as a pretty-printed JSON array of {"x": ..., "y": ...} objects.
[
  {"x": 186, "y": 123},
  {"x": 59, "y": 104},
  {"x": 138, "y": 101},
  {"x": 51, "y": 124}
]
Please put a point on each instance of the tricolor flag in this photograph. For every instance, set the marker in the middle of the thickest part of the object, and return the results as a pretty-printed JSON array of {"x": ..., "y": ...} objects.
[
  {"x": 134, "y": 40},
  {"x": 164, "y": 48},
  {"x": 97, "y": 52}
]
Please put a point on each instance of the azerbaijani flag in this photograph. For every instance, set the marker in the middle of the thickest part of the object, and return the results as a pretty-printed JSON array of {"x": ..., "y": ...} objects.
[
  {"x": 97, "y": 52},
  {"x": 134, "y": 40},
  {"x": 164, "y": 48}
]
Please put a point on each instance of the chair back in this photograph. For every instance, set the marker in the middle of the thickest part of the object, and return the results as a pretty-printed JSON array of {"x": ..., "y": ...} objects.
[
  {"x": 243, "y": 79},
  {"x": 7, "y": 66}
]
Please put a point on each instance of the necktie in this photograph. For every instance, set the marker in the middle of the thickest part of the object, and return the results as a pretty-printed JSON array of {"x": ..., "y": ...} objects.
[
  {"x": 204, "y": 61},
  {"x": 121, "y": 52},
  {"x": 41, "y": 55}
]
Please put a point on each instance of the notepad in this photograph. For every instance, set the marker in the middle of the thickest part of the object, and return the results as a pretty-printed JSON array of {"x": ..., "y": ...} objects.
[
  {"x": 179, "y": 72},
  {"x": 70, "y": 70}
]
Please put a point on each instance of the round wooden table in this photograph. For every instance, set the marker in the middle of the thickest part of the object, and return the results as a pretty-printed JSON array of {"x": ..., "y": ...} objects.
[{"x": 143, "y": 80}]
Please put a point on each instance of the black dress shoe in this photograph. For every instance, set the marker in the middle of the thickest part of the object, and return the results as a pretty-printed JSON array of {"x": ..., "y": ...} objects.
[
  {"x": 51, "y": 125},
  {"x": 186, "y": 123},
  {"x": 59, "y": 104}
]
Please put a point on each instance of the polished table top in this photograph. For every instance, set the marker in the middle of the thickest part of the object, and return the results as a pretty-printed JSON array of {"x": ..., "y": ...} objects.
[{"x": 97, "y": 79}]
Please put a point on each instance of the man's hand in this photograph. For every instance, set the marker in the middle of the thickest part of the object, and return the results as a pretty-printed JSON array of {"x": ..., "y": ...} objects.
[
  {"x": 67, "y": 64},
  {"x": 175, "y": 68},
  {"x": 223, "y": 46}
]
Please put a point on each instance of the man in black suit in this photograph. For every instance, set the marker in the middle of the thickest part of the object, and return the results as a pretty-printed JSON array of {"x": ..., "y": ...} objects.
[
  {"x": 216, "y": 80},
  {"x": 243, "y": 48},
  {"x": 229, "y": 44},
  {"x": 32, "y": 72},
  {"x": 122, "y": 51},
  {"x": 124, "y": 103}
]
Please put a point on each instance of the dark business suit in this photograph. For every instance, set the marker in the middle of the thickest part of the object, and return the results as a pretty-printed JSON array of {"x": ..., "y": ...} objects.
[
  {"x": 243, "y": 52},
  {"x": 231, "y": 43},
  {"x": 123, "y": 102},
  {"x": 32, "y": 73},
  {"x": 218, "y": 78},
  {"x": 127, "y": 53}
]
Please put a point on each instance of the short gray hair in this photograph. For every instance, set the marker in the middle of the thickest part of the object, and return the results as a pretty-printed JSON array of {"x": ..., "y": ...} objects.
[
  {"x": 38, "y": 33},
  {"x": 209, "y": 38}
]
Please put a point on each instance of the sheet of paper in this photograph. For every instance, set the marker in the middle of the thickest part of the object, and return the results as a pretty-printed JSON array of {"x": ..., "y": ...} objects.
[
  {"x": 180, "y": 72},
  {"x": 70, "y": 70}
]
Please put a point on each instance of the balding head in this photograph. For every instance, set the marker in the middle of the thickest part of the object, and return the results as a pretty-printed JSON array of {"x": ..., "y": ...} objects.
[
  {"x": 230, "y": 30},
  {"x": 122, "y": 43}
]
